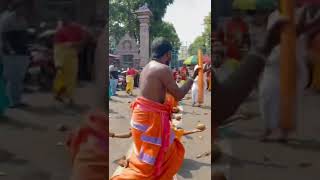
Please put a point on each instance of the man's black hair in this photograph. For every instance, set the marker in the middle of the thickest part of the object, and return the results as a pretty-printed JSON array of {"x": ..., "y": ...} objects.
[{"x": 160, "y": 46}]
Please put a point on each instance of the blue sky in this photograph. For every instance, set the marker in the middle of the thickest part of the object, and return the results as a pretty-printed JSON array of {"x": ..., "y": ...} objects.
[{"x": 187, "y": 17}]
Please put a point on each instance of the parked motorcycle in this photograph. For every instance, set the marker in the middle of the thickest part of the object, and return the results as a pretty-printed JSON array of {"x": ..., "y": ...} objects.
[
  {"x": 122, "y": 82},
  {"x": 41, "y": 69}
]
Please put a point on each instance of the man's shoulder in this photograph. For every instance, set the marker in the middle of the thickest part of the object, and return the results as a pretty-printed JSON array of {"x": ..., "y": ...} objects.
[
  {"x": 164, "y": 68},
  {"x": 159, "y": 70},
  {"x": 157, "y": 66}
]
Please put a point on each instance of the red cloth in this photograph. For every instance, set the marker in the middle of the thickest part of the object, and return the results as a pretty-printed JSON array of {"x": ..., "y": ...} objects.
[
  {"x": 236, "y": 29},
  {"x": 69, "y": 33},
  {"x": 175, "y": 75},
  {"x": 235, "y": 26},
  {"x": 184, "y": 71},
  {"x": 220, "y": 36},
  {"x": 94, "y": 126},
  {"x": 131, "y": 72},
  {"x": 233, "y": 51},
  {"x": 87, "y": 146}
]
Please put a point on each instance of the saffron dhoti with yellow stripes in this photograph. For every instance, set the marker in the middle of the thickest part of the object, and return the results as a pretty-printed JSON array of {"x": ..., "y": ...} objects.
[{"x": 157, "y": 153}]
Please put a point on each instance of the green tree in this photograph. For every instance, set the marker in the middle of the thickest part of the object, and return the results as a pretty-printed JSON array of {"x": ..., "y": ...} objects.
[
  {"x": 166, "y": 30},
  {"x": 203, "y": 41},
  {"x": 207, "y": 33},
  {"x": 123, "y": 20},
  {"x": 199, "y": 43}
]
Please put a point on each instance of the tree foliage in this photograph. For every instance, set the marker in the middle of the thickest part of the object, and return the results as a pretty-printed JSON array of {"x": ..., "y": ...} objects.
[
  {"x": 123, "y": 20},
  {"x": 198, "y": 43},
  {"x": 203, "y": 41},
  {"x": 166, "y": 30}
]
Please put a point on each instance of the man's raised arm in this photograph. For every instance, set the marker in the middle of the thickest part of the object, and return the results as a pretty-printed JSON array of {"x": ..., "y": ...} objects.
[
  {"x": 228, "y": 95},
  {"x": 172, "y": 87}
]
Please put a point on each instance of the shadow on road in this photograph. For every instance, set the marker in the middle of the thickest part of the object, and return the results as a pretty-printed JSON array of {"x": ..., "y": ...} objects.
[
  {"x": 305, "y": 145},
  {"x": 201, "y": 107},
  {"x": 188, "y": 137},
  {"x": 112, "y": 111},
  {"x": 21, "y": 125},
  {"x": 114, "y": 100},
  {"x": 37, "y": 175},
  {"x": 126, "y": 96},
  {"x": 205, "y": 107},
  {"x": 190, "y": 165},
  {"x": 236, "y": 162},
  {"x": 7, "y": 157},
  {"x": 54, "y": 110},
  {"x": 233, "y": 134},
  {"x": 192, "y": 113}
]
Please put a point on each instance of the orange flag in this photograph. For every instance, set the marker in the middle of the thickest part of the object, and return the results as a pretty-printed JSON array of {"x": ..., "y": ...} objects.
[
  {"x": 288, "y": 68},
  {"x": 201, "y": 76}
]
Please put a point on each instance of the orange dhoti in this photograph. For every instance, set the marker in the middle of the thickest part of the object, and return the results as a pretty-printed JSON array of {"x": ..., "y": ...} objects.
[
  {"x": 157, "y": 154},
  {"x": 88, "y": 149},
  {"x": 171, "y": 101}
]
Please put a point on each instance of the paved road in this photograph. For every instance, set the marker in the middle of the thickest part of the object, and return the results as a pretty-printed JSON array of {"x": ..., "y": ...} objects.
[
  {"x": 248, "y": 158},
  {"x": 28, "y": 140},
  {"x": 193, "y": 168}
]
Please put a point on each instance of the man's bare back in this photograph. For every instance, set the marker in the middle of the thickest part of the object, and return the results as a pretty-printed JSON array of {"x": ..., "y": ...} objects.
[
  {"x": 151, "y": 86},
  {"x": 156, "y": 79}
]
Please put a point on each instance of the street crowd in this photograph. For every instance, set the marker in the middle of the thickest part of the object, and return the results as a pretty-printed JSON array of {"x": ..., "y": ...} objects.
[{"x": 245, "y": 32}]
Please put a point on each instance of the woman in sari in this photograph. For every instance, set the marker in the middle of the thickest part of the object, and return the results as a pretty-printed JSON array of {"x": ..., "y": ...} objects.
[
  {"x": 67, "y": 42},
  {"x": 130, "y": 80}
]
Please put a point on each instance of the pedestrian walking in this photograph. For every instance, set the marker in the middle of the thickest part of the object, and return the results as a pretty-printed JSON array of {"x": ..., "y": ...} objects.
[
  {"x": 15, "y": 54},
  {"x": 195, "y": 89},
  {"x": 269, "y": 91},
  {"x": 130, "y": 80},
  {"x": 4, "y": 101},
  {"x": 184, "y": 73},
  {"x": 114, "y": 76},
  {"x": 68, "y": 40}
]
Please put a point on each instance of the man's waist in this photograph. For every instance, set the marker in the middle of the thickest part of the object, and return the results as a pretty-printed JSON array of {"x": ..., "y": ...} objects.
[{"x": 149, "y": 105}]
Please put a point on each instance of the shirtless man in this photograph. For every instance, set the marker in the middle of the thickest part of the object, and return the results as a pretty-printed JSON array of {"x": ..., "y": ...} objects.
[
  {"x": 158, "y": 153},
  {"x": 156, "y": 77}
]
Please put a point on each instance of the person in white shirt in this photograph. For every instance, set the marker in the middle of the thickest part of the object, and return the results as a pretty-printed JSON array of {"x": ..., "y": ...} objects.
[
  {"x": 14, "y": 51},
  {"x": 269, "y": 90},
  {"x": 257, "y": 29},
  {"x": 195, "y": 89}
]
